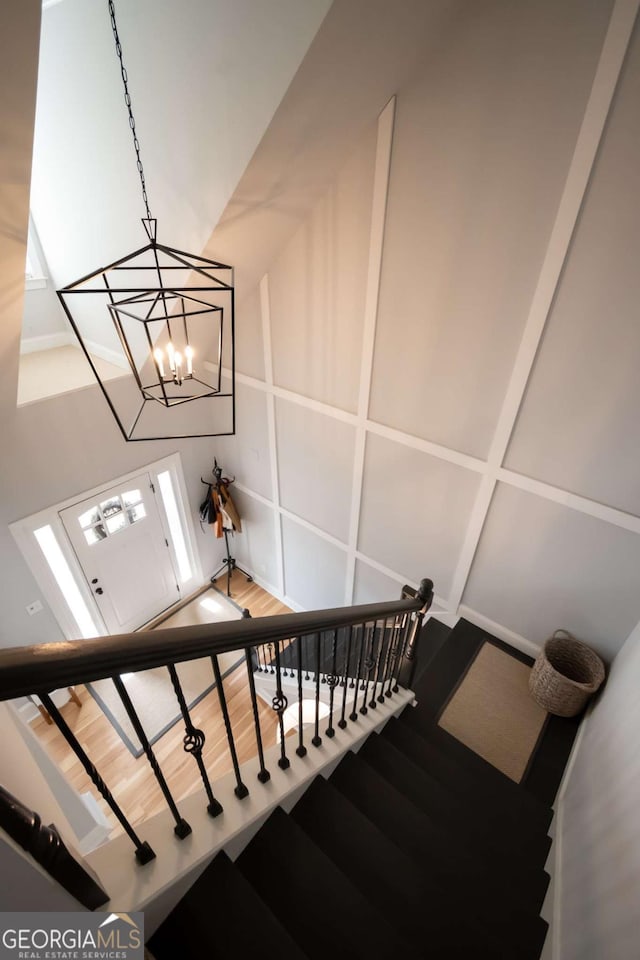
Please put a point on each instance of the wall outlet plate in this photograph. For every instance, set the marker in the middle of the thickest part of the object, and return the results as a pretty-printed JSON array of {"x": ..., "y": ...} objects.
[{"x": 34, "y": 607}]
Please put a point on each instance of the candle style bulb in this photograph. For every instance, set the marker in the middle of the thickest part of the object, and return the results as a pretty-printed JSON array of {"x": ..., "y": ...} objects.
[
  {"x": 188, "y": 352},
  {"x": 178, "y": 371},
  {"x": 159, "y": 360},
  {"x": 172, "y": 356}
]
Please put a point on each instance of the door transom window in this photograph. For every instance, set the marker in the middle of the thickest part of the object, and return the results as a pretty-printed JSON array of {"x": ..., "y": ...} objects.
[{"x": 110, "y": 516}]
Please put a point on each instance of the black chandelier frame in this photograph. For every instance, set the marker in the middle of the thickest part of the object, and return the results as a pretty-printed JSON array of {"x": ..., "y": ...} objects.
[
  {"x": 152, "y": 294},
  {"x": 137, "y": 304}
]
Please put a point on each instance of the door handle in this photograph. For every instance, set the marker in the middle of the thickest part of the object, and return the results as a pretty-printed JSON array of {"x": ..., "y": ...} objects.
[{"x": 100, "y": 590}]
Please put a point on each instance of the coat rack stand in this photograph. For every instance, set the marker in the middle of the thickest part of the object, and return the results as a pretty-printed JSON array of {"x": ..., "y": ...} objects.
[{"x": 229, "y": 564}]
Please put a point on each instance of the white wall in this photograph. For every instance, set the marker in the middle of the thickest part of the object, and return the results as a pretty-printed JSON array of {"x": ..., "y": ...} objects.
[
  {"x": 42, "y": 315},
  {"x": 598, "y": 876},
  {"x": 391, "y": 352}
]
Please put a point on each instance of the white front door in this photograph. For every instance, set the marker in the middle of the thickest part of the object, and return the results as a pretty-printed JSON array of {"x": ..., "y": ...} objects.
[{"x": 118, "y": 539}]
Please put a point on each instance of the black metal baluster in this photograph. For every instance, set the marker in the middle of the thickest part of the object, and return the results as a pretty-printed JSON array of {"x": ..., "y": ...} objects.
[
  {"x": 323, "y": 658},
  {"x": 144, "y": 853},
  {"x": 380, "y": 660},
  {"x": 279, "y": 704},
  {"x": 342, "y": 722},
  {"x": 301, "y": 750},
  {"x": 368, "y": 665},
  {"x": 182, "y": 828},
  {"x": 193, "y": 742},
  {"x": 259, "y": 667},
  {"x": 333, "y": 680},
  {"x": 317, "y": 739},
  {"x": 394, "y": 653},
  {"x": 293, "y": 657},
  {"x": 263, "y": 774},
  {"x": 388, "y": 634},
  {"x": 290, "y": 657},
  {"x": 307, "y": 641},
  {"x": 240, "y": 789},
  {"x": 404, "y": 635},
  {"x": 361, "y": 655},
  {"x": 272, "y": 662}
]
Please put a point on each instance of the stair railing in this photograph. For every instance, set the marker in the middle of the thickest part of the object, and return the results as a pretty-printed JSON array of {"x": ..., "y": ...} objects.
[
  {"x": 47, "y": 848},
  {"x": 366, "y": 651}
]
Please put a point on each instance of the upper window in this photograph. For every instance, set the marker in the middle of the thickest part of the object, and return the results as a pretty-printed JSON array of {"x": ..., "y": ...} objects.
[
  {"x": 108, "y": 517},
  {"x": 34, "y": 275}
]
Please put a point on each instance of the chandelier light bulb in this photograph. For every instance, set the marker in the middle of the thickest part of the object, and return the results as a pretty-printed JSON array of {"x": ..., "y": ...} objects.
[
  {"x": 160, "y": 361},
  {"x": 188, "y": 352},
  {"x": 172, "y": 356},
  {"x": 178, "y": 370}
]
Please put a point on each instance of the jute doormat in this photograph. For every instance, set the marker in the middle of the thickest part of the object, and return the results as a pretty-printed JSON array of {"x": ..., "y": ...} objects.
[{"x": 492, "y": 712}]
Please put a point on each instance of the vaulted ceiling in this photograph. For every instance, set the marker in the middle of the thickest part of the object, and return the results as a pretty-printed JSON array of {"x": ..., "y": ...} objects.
[{"x": 205, "y": 77}]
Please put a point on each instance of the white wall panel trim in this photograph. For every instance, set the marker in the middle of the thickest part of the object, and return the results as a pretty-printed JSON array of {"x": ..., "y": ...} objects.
[
  {"x": 573, "y": 500},
  {"x": 605, "y": 81},
  {"x": 491, "y": 471},
  {"x": 399, "y": 577},
  {"x": 427, "y": 446},
  {"x": 376, "y": 242},
  {"x": 279, "y": 511},
  {"x": 308, "y": 402},
  {"x": 371, "y": 426},
  {"x": 593, "y": 123},
  {"x": 265, "y": 311},
  {"x": 319, "y": 532},
  {"x": 477, "y": 519},
  {"x": 254, "y": 494}
]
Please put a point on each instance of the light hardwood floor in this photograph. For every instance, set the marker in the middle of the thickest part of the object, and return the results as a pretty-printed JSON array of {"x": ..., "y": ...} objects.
[{"x": 131, "y": 780}]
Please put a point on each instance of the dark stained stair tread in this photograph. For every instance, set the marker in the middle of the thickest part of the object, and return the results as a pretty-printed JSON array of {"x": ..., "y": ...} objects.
[
  {"x": 484, "y": 835},
  {"x": 211, "y": 921},
  {"x": 414, "y": 847},
  {"x": 521, "y": 803},
  {"x": 463, "y": 783},
  {"x": 323, "y": 910},
  {"x": 445, "y": 669},
  {"x": 427, "y": 915},
  {"x": 485, "y": 895}
]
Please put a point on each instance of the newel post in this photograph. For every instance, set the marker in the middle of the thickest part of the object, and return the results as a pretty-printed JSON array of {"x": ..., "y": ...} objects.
[
  {"x": 414, "y": 624},
  {"x": 47, "y": 848}
]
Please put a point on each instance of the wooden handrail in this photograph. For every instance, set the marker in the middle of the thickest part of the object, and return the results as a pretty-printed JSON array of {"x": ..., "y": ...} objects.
[{"x": 50, "y": 666}]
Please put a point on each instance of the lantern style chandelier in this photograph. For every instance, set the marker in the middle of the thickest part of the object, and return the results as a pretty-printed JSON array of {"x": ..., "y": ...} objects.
[{"x": 171, "y": 324}]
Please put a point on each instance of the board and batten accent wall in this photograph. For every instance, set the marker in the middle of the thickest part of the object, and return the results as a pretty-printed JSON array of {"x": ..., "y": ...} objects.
[{"x": 438, "y": 371}]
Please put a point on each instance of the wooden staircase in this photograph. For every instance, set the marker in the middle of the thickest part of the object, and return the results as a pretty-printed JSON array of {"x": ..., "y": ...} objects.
[{"x": 413, "y": 847}]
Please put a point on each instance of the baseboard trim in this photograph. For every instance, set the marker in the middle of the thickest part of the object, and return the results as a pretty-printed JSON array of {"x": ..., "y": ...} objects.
[
  {"x": 105, "y": 353},
  {"x": 502, "y": 633},
  {"x": 48, "y": 341}
]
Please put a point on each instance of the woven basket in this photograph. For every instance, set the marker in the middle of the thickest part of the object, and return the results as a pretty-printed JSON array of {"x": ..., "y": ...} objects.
[{"x": 565, "y": 675}]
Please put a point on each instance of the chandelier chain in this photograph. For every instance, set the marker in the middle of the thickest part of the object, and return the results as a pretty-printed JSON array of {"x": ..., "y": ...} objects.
[{"x": 127, "y": 100}]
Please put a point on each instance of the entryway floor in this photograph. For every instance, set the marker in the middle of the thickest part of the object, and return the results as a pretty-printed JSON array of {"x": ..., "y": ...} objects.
[{"x": 131, "y": 780}]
